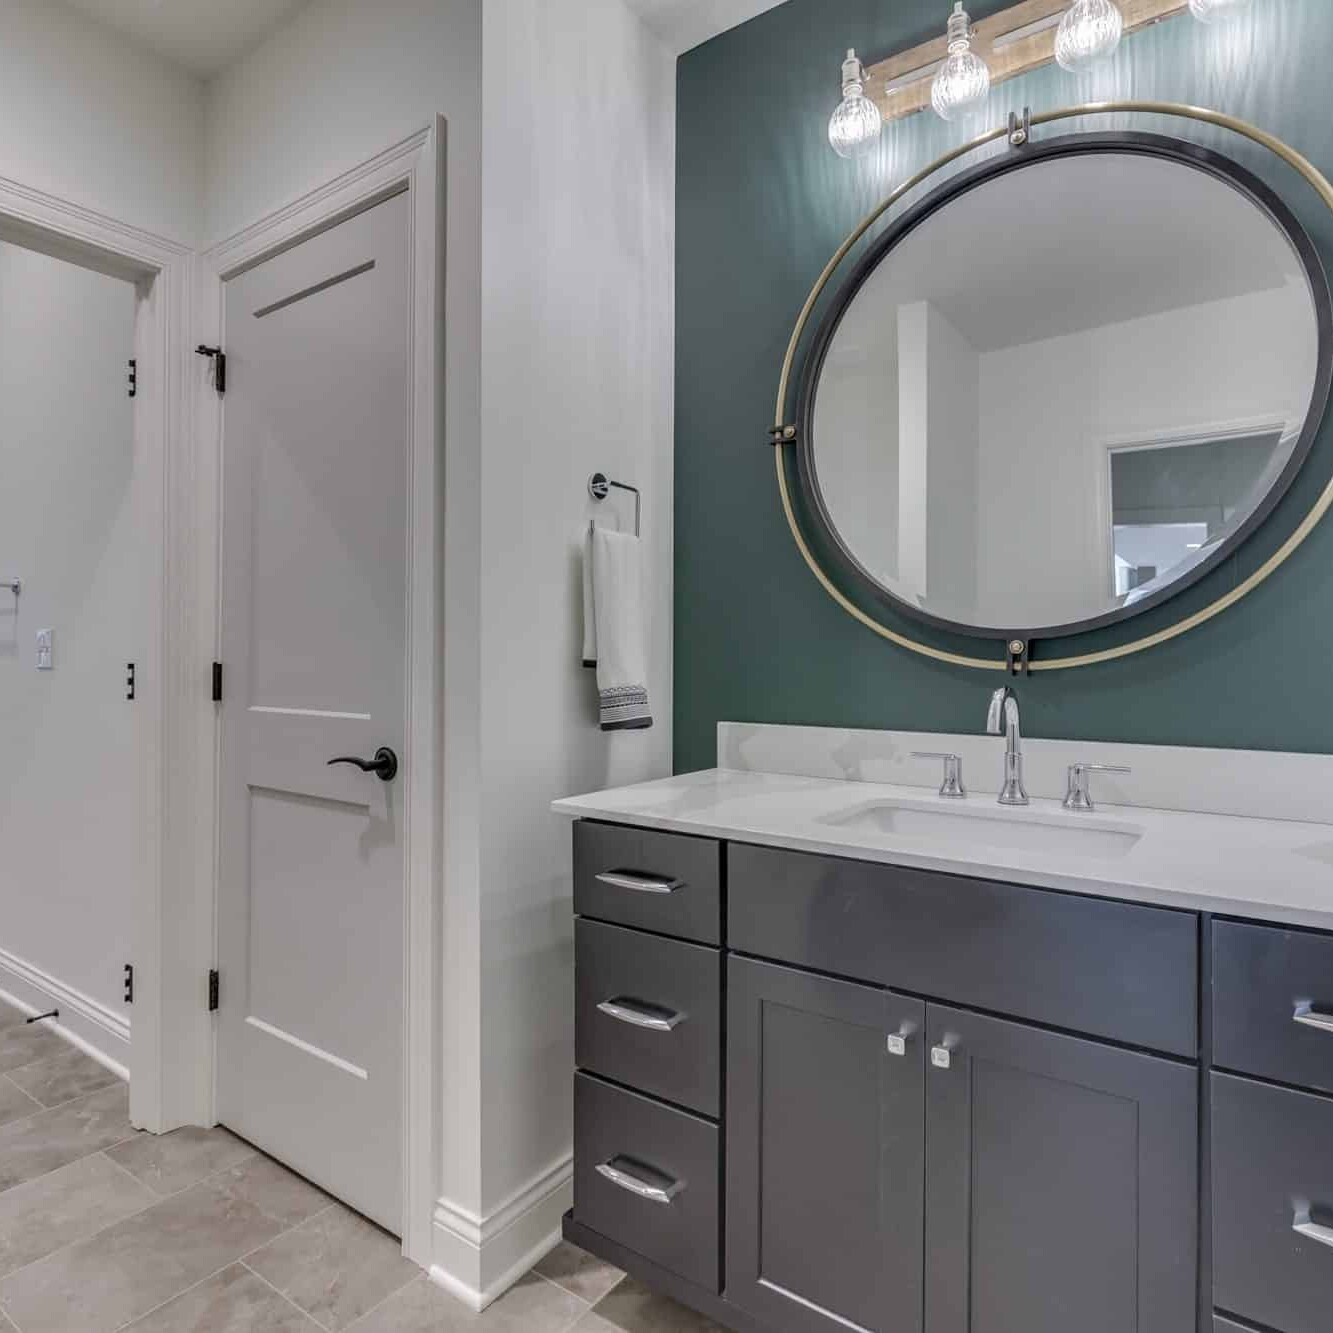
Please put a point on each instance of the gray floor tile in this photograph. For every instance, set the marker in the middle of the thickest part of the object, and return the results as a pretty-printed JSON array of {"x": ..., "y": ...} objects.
[
  {"x": 336, "y": 1266},
  {"x": 62, "y": 1077},
  {"x": 232, "y": 1301},
  {"x": 22, "y": 1043},
  {"x": 278, "y": 1193},
  {"x": 592, "y": 1322},
  {"x": 169, "y": 1163},
  {"x": 578, "y": 1271},
  {"x": 63, "y": 1206},
  {"x": 632, "y": 1307},
  {"x": 5, "y": 1325},
  {"x": 15, "y": 1104},
  {"x": 52, "y": 1139},
  {"x": 533, "y": 1305},
  {"x": 133, "y": 1266}
]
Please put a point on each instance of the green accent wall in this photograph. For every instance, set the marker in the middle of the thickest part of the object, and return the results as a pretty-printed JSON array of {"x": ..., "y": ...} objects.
[{"x": 762, "y": 204}]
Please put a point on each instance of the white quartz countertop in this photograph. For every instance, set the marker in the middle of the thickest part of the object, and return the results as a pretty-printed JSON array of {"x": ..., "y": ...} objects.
[{"x": 1268, "y": 869}]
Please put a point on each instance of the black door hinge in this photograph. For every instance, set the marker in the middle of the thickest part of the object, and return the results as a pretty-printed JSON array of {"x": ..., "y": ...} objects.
[
  {"x": 129, "y": 681},
  {"x": 134, "y": 378},
  {"x": 129, "y": 983},
  {"x": 214, "y": 990},
  {"x": 219, "y": 360},
  {"x": 217, "y": 682}
]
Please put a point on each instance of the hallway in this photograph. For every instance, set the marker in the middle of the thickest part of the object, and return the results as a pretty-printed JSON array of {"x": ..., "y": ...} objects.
[{"x": 103, "y": 1228}]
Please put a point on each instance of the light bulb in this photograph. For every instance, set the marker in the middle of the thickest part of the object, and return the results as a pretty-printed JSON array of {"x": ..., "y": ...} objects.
[
  {"x": 855, "y": 126},
  {"x": 963, "y": 79},
  {"x": 1089, "y": 34},
  {"x": 1212, "y": 10}
]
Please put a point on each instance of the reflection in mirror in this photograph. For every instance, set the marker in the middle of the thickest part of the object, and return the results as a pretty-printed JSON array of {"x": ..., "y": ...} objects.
[{"x": 1064, "y": 390}]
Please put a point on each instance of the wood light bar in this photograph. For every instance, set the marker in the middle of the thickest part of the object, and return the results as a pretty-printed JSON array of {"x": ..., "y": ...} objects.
[{"x": 1012, "y": 42}]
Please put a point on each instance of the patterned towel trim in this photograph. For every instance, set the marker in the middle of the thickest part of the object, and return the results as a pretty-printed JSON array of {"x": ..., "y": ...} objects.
[{"x": 625, "y": 708}]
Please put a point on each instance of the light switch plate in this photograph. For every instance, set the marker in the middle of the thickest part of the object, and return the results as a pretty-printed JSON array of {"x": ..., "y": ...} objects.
[{"x": 45, "y": 649}]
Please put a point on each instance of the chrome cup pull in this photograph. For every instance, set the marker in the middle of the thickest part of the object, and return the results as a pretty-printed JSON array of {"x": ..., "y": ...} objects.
[
  {"x": 636, "y": 1183},
  {"x": 1304, "y": 1225},
  {"x": 1308, "y": 1016},
  {"x": 641, "y": 1015},
  {"x": 637, "y": 883}
]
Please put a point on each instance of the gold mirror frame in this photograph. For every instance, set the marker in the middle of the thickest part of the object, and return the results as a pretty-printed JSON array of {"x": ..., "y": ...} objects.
[{"x": 1317, "y": 180}]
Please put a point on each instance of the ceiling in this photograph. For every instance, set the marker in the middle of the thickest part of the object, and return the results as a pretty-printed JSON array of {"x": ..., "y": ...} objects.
[
  {"x": 206, "y": 36},
  {"x": 686, "y": 23},
  {"x": 202, "y": 36}
]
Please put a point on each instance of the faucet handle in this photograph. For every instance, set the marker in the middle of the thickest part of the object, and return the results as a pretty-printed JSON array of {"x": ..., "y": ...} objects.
[
  {"x": 952, "y": 787},
  {"x": 1078, "y": 794}
]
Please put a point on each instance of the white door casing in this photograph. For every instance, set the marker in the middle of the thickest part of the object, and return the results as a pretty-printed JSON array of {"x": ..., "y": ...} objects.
[{"x": 314, "y": 604}]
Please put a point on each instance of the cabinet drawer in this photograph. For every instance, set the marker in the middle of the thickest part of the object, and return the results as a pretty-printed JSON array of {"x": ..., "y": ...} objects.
[
  {"x": 1273, "y": 1003},
  {"x": 1272, "y": 1172},
  {"x": 646, "y": 1175},
  {"x": 1089, "y": 965},
  {"x": 648, "y": 1012},
  {"x": 665, "y": 882}
]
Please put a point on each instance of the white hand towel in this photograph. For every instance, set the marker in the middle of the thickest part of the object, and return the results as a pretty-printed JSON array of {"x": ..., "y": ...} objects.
[
  {"x": 615, "y": 634},
  {"x": 589, "y": 612}
]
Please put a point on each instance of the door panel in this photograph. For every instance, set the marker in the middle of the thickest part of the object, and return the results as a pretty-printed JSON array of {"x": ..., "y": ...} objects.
[
  {"x": 313, "y": 644},
  {"x": 824, "y": 1140},
  {"x": 1061, "y": 1183}
]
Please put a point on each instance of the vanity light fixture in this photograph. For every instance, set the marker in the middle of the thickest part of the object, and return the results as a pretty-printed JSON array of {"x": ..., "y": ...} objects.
[
  {"x": 854, "y": 128},
  {"x": 1209, "y": 11},
  {"x": 963, "y": 80},
  {"x": 1088, "y": 35}
]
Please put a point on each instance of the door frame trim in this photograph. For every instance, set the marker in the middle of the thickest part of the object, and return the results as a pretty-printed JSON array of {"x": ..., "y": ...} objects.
[
  {"x": 417, "y": 165},
  {"x": 172, "y": 720}
]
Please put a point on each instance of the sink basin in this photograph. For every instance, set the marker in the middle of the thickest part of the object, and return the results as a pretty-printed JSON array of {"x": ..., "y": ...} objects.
[{"x": 1072, "y": 834}]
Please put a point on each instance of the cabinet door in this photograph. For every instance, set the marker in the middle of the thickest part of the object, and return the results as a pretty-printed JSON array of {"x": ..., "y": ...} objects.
[
  {"x": 1061, "y": 1183},
  {"x": 824, "y": 1151}
]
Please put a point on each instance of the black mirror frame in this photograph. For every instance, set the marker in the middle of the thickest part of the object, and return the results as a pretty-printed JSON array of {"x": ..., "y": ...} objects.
[{"x": 1154, "y": 145}]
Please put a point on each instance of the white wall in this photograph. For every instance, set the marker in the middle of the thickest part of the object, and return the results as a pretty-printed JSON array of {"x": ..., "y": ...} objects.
[
  {"x": 1049, "y": 410},
  {"x": 577, "y": 373},
  {"x": 71, "y": 499},
  {"x": 94, "y": 119}
]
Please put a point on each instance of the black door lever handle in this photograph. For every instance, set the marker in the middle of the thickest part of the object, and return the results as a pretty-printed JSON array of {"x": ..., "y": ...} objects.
[{"x": 384, "y": 765}]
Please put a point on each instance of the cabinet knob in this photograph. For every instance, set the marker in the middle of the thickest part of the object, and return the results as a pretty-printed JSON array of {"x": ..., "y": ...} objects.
[
  {"x": 897, "y": 1041},
  {"x": 941, "y": 1055}
]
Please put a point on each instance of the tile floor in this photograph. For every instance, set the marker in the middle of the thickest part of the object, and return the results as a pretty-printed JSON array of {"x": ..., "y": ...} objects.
[{"x": 104, "y": 1229}]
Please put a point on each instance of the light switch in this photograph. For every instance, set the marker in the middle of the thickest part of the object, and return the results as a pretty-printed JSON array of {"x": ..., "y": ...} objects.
[{"x": 45, "y": 649}]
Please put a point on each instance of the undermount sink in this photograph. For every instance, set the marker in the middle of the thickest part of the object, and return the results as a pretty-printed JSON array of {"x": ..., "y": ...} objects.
[{"x": 1018, "y": 830}]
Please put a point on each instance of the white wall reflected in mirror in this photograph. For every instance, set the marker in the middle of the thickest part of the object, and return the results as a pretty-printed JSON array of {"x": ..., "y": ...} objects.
[{"x": 1091, "y": 319}]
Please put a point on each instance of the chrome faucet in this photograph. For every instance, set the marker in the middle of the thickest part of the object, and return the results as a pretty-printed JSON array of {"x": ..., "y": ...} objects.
[{"x": 1004, "y": 703}]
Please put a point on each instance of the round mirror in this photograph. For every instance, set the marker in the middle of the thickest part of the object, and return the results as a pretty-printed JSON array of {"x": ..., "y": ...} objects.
[{"x": 1065, "y": 385}]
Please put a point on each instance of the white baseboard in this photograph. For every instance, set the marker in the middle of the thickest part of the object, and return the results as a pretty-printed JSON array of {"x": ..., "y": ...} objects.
[
  {"x": 97, "y": 1031},
  {"x": 478, "y": 1259}
]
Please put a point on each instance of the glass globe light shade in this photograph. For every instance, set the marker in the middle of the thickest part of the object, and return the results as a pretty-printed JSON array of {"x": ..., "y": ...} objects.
[
  {"x": 1088, "y": 35},
  {"x": 1210, "y": 11},
  {"x": 963, "y": 80},
  {"x": 854, "y": 128}
]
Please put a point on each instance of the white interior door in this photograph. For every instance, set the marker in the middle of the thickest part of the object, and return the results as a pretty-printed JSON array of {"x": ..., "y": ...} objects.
[{"x": 310, "y": 919}]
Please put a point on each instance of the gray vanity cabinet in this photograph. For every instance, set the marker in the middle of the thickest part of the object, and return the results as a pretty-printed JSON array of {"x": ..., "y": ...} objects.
[
  {"x": 1061, "y": 1183},
  {"x": 825, "y": 1136},
  {"x": 816, "y": 1094}
]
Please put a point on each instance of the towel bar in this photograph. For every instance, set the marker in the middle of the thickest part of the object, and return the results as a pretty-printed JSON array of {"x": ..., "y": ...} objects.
[
  {"x": 599, "y": 487},
  {"x": 13, "y": 585}
]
